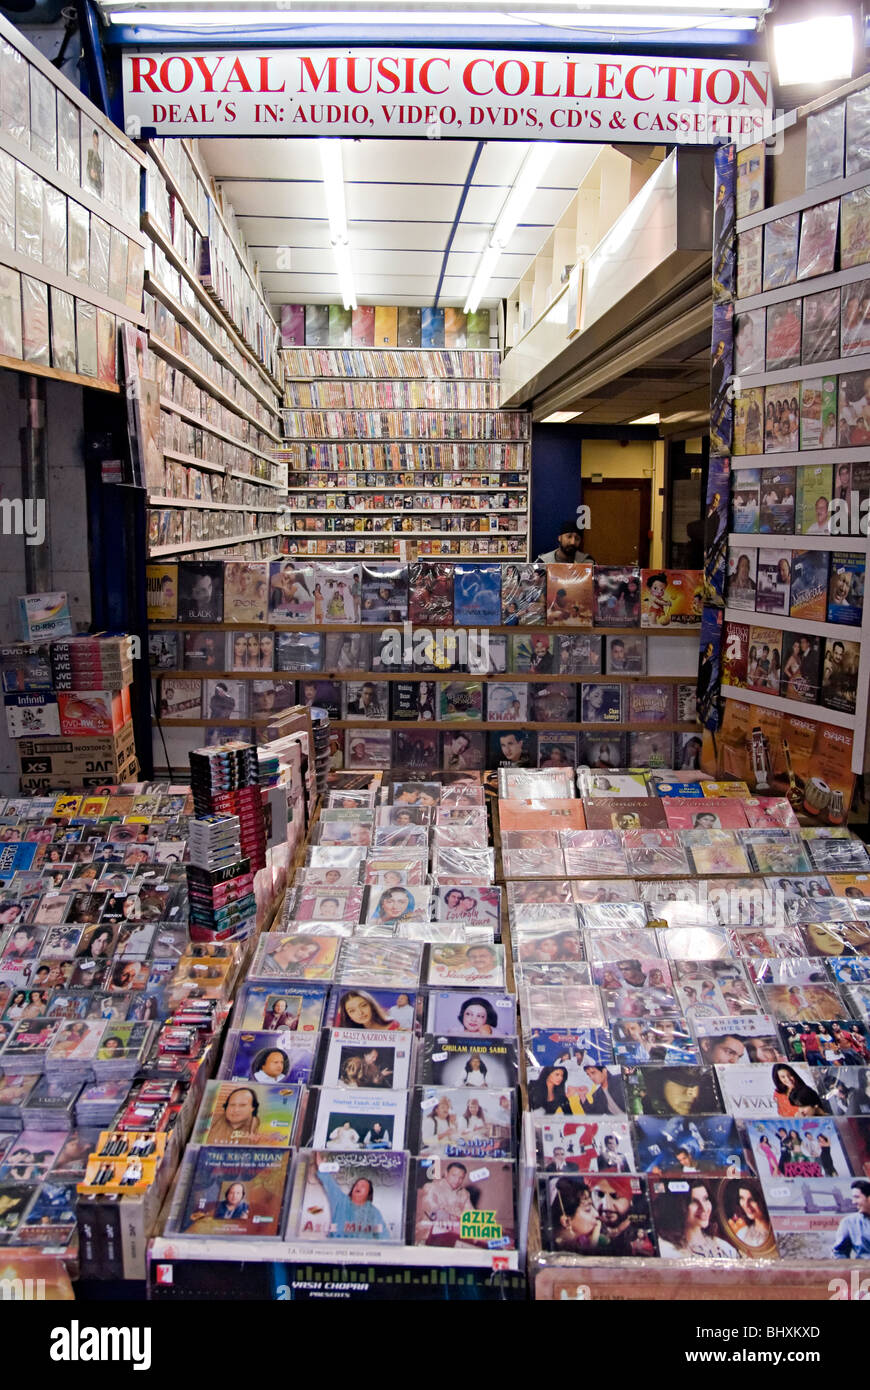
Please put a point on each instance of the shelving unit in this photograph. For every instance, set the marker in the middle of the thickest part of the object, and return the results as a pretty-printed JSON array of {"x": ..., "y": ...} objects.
[
  {"x": 210, "y": 343},
  {"x": 446, "y": 386},
  {"x": 65, "y": 226},
  {"x": 793, "y": 162}
]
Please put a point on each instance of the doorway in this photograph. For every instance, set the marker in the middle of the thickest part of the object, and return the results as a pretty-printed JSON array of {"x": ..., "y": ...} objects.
[{"x": 618, "y": 533}]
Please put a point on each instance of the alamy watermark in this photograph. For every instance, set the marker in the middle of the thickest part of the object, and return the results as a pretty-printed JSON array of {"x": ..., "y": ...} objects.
[
  {"x": 441, "y": 647},
  {"x": 23, "y": 517},
  {"x": 77, "y": 1343}
]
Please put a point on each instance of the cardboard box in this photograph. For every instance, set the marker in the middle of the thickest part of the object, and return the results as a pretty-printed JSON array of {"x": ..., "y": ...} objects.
[
  {"x": 78, "y": 762},
  {"x": 31, "y": 713},
  {"x": 93, "y": 712}
]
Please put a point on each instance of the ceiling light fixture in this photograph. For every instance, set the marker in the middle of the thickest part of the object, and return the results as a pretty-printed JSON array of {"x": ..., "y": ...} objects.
[
  {"x": 333, "y": 187},
  {"x": 532, "y": 170},
  {"x": 560, "y": 417}
]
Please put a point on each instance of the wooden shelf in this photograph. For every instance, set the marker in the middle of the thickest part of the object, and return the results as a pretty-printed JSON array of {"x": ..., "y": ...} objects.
[
  {"x": 219, "y": 468},
  {"x": 823, "y": 193},
  {"x": 859, "y": 363},
  {"x": 166, "y": 403},
  {"x": 811, "y": 457},
  {"x": 407, "y": 535},
  {"x": 506, "y": 726},
  {"x": 798, "y": 708},
  {"x": 202, "y": 379},
  {"x": 414, "y": 487},
  {"x": 192, "y": 323},
  {"x": 155, "y": 231},
  {"x": 512, "y": 677},
  {"x": 59, "y": 280},
  {"x": 784, "y": 622},
  {"x": 16, "y": 364},
  {"x": 208, "y": 506},
  {"x": 391, "y": 627},
  {"x": 78, "y": 192},
  {"x": 225, "y": 543},
  {"x": 794, "y": 542}
]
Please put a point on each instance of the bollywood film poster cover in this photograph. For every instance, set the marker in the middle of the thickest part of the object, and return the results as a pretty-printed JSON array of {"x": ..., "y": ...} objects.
[
  {"x": 809, "y": 581},
  {"x": 749, "y": 421},
  {"x": 749, "y": 345},
  {"x": 803, "y": 1148},
  {"x": 585, "y": 1146},
  {"x": 783, "y": 337},
  {"x": 801, "y": 667},
  {"x": 671, "y": 598},
  {"x": 846, "y": 590},
  {"x": 818, "y": 415},
  {"x": 617, "y": 595},
  {"x": 777, "y": 500},
  {"x": 773, "y": 587},
  {"x": 686, "y": 1147},
  {"x": 840, "y": 674},
  {"x": 781, "y": 423},
  {"x": 742, "y": 576},
  {"x": 477, "y": 595},
  {"x": 745, "y": 500},
  {"x": 604, "y": 1214},
  {"x": 522, "y": 595},
  {"x": 570, "y": 596},
  {"x": 701, "y": 1218},
  {"x": 821, "y": 330}
]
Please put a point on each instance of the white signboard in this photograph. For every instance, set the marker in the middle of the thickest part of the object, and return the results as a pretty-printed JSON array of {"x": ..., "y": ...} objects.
[{"x": 443, "y": 93}]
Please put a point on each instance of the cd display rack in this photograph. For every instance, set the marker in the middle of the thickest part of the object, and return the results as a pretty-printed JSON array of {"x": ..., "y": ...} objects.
[
  {"x": 794, "y": 316},
  {"x": 218, "y": 486},
  {"x": 72, "y": 255},
  {"x": 403, "y": 452}
]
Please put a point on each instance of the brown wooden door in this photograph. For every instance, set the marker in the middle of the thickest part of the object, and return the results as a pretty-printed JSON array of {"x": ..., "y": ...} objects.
[{"x": 618, "y": 533}]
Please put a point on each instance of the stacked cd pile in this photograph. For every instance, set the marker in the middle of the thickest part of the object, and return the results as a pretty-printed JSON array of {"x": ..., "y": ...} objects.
[
  {"x": 214, "y": 841},
  {"x": 320, "y": 726},
  {"x": 230, "y": 845}
]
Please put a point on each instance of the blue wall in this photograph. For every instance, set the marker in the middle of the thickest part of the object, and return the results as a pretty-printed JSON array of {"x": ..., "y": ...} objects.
[{"x": 556, "y": 487}]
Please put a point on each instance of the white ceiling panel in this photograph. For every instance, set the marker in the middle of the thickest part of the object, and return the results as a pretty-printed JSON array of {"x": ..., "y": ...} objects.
[
  {"x": 289, "y": 231},
  {"x": 508, "y": 266},
  {"x": 266, "y": 159},
  {"x": 407, "y": 161},
  {"x": 364, "y": 262},
  {"x": 402, "y": 197},
  {"x": 277, "y": 199},
  {"x": 473, "y": 236},
  {"x": 378, "y": 286},
  {"x": 389, "y": 202},
  {"x": 500, "y": 161}
]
